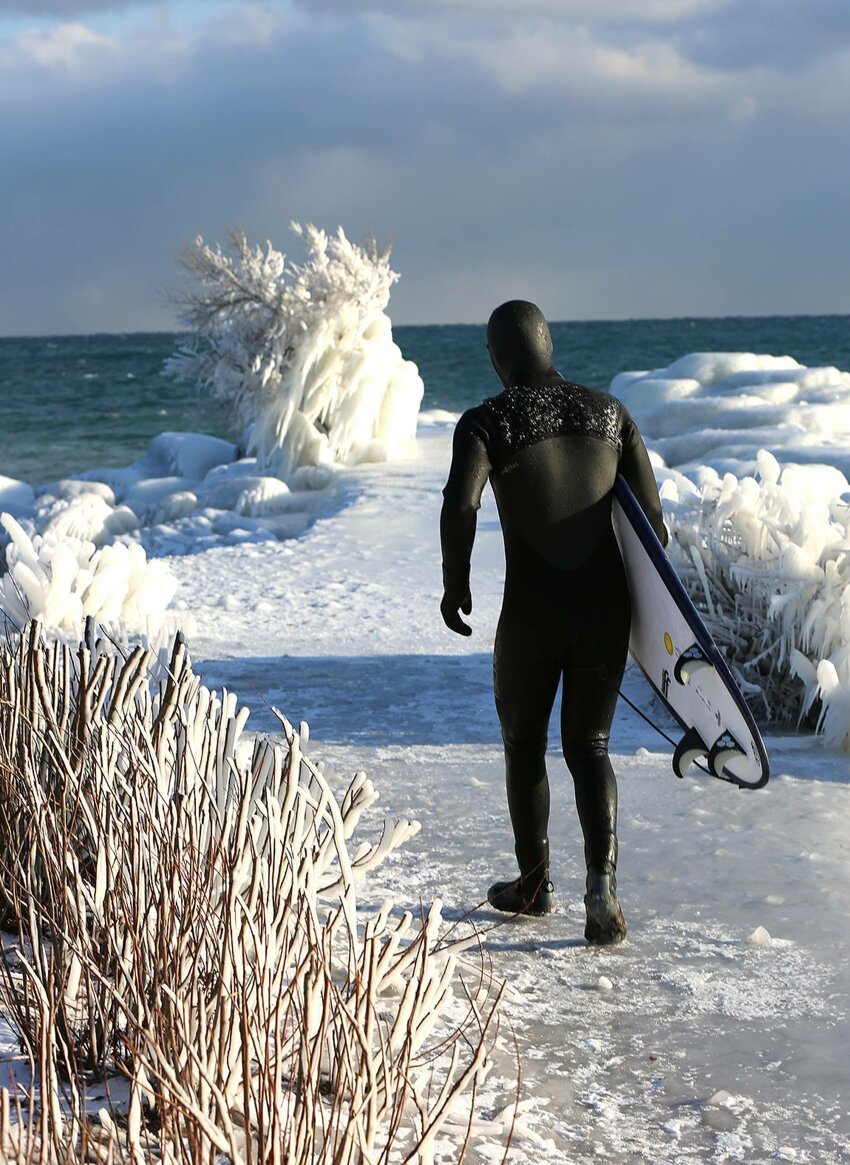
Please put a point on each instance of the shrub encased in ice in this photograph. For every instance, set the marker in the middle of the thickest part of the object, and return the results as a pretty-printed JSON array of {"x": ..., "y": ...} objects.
[
  {"x": 302, "y": 353},
  {"x": 763, "y": 548},
  {"x": 63, "y": 580},
  {"x": 767, "y": 560},
  {"x": 191, "y": 926}
]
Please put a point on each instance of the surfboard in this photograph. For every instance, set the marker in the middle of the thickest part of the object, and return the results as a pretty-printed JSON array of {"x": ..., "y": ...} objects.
[{"x": 675, "y": 651}]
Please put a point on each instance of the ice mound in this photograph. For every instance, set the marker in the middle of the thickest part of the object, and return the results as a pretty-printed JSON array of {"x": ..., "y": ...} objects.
[
  {"x": 302, "y": 353},
  {"x": 15, "y": 495},
  {"x": 189, "y": 492},
  {"x": 720, "y": 408},
  {"x": 752, "y": 457}
]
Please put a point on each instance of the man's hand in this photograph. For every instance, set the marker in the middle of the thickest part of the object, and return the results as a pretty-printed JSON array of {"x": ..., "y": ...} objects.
[{"x": 449, "y": 609}]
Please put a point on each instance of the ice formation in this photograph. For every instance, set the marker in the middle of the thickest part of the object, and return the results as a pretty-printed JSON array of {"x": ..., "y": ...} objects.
[
  {"x": 718, "y": 409},
  {"x": 762, "y": 545},
  {"x": 61, "y": 579},
  {"x": 302, "y": 353}
]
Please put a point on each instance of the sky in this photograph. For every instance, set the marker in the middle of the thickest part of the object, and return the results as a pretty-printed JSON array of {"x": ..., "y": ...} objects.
[{"x": 605, "y": 158}]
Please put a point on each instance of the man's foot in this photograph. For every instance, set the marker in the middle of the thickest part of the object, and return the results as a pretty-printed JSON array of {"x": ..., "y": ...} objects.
[
  {"x": 533, "y": 894},
  {"x": 605, "y": 922}
]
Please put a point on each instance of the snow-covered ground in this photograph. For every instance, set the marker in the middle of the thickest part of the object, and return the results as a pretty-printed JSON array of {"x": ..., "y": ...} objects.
[{"x": 704, "y": 1044}]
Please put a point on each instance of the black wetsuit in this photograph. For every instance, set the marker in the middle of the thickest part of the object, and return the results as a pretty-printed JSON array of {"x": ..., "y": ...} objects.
[{"x": 551, "y": 453}]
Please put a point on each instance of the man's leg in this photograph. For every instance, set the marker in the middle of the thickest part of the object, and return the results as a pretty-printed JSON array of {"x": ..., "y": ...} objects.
[
  {"x": 589, "y": 700},
  {"x": 526, "y": 675}
]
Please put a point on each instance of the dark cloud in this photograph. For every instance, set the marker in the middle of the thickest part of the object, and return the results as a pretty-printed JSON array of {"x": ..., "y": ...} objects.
[{"x": 778, "y": 34}]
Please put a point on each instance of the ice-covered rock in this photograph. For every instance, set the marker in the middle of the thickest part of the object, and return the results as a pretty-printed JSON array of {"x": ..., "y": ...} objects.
[
  {"x": 190, "y": 455},
  {"x": 148, "y": 497},
  {"x": 720, "y": 408}
]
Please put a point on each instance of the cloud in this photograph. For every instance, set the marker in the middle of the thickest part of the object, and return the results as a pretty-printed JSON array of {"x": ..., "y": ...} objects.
[
  {"x": 62, "y": 8},
  {"x": 565, "y": 11},
  {"x": 779, "y": 34},
  {"x": 611, "y": 166},
  {"x": 65, "y": 47}
]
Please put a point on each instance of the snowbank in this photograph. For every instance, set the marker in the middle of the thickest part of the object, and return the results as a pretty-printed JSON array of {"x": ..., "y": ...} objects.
[{"x": 720, "y": 408}]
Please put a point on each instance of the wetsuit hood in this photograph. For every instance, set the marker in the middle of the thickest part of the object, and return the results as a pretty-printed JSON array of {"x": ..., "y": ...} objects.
[{"x": 520, "y": 344}]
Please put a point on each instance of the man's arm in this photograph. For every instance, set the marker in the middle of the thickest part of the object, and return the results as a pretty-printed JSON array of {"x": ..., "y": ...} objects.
[
  {"x": 636, "y": 468},
  {"x": 468, "y": 475}
]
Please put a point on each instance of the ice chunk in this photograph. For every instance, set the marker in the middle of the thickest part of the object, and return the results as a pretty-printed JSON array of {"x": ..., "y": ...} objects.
[
  {"x": 146, "y": 497},
  {"x": 722, "y": 1099},
  {"x": 190, "y": 455},
  {"x": 69, "y": 488},
  {"x": 759, "y": 937}
]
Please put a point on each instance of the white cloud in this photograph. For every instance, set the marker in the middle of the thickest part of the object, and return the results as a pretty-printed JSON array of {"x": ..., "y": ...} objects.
[
  {"x": 65, "y": 47},
  {"x": 160, "y": 41},
  {"x": 618, "y": 77}
]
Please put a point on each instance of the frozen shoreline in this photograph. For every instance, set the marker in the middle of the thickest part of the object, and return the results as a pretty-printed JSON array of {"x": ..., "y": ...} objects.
[{"x": 342, "y": 628}]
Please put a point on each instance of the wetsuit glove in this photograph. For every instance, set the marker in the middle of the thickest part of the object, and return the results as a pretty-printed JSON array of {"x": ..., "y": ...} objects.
[{"x": 450, "y": 609}]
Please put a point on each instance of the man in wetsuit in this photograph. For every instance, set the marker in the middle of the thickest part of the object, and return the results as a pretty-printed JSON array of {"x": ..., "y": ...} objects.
[{"x": 551, "y": 451}]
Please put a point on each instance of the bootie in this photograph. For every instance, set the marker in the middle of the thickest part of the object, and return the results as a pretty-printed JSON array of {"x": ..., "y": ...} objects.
[
  {"x": 605, "y": 922},
  {"x": 529, "y": 894}
]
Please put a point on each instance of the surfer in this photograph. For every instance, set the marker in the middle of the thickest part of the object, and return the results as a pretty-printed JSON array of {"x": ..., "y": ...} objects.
[{"x": 551, "y": 451}]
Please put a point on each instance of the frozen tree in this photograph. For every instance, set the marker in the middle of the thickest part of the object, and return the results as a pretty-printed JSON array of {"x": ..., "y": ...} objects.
[{"x": 302, "y": 353}]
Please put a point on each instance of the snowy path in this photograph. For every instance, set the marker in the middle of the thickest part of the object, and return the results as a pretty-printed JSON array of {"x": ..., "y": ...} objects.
[{"x": 341, "y": 628}]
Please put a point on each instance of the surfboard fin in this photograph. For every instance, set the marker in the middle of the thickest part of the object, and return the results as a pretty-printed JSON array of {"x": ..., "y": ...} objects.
[
  {"x": 690, "y": 748},
  {"x": 691, "y": 660},
  {"x": 724, "y": 749}
]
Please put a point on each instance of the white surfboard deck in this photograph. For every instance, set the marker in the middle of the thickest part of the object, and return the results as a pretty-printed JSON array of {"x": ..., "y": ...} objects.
[{"x": 676, "y": 653}]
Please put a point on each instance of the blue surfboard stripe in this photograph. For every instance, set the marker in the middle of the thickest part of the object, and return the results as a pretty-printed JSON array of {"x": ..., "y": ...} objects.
[{"x": 682, "y": 599}]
